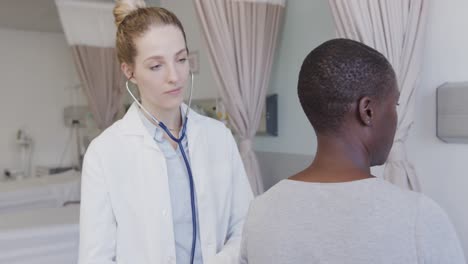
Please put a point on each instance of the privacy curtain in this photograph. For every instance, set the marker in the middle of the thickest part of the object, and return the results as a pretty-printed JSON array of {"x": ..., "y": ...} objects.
[
  {"x": 396, "y": 28},
  {"x": 241, "y": 37}
]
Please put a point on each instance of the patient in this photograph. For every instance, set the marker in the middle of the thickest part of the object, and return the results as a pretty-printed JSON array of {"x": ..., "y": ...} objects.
[{"x": 335, "y": 211}]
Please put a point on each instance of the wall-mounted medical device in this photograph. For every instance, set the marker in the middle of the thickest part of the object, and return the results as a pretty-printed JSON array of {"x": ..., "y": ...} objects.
[{"x": 452, "y": 112}]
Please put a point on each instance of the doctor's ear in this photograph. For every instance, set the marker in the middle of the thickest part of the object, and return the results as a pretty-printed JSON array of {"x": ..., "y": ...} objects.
[{"x": 128, "y": 71}]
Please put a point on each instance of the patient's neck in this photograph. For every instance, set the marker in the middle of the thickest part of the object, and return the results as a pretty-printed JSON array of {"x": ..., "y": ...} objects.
[{"x": 338, "y": 159}]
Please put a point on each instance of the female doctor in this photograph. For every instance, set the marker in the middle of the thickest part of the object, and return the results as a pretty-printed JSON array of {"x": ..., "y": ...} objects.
[{"x": 163, "y": 184}]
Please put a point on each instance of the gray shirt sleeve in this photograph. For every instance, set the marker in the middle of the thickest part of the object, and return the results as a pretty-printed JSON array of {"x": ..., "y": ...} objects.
[{"x": 436, "y": 240}]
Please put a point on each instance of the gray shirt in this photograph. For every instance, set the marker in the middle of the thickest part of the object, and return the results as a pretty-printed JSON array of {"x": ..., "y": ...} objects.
[
  {"x": 179, "y": 190},
  {"x": 366, "y": 221}
]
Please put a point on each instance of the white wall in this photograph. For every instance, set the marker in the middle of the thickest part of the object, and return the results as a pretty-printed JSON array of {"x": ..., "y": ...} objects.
[
  {"x": 37, "y": 75},
  {"x": 443, "y": 168},
  {"x": 153, "y": 2}
]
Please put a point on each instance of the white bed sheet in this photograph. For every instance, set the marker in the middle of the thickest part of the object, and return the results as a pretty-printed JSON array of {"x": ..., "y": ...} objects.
[
  {"x": 40, "y": 236},
  {"x": 44, "y": 192}
]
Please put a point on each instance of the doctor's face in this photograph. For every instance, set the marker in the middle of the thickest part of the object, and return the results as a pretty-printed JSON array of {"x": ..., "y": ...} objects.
[{"x": 161, "y": 67}]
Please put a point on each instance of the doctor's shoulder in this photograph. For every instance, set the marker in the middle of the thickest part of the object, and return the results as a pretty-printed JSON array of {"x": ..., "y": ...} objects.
[
  {"x": 210, "y": 126},
  {"x": 107, "y": 141}
]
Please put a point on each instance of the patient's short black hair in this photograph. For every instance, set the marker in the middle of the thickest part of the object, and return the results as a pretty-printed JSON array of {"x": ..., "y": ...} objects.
[{"x": 338, "y": 73}]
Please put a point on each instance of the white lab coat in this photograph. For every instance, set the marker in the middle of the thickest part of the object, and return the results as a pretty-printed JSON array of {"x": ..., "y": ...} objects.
[{"x": 126, "y": 215}]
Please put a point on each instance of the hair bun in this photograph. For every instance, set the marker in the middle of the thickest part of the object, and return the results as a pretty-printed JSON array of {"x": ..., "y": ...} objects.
[{"x": 124, "y": 7}]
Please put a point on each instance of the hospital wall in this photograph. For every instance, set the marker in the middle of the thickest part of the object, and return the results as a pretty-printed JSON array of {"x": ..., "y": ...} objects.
[
  {"x": 37, "y": 76},
  {"x": 442, "y": 168}
]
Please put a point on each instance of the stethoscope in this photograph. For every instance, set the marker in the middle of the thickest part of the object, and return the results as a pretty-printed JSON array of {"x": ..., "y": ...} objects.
[{"x": 181, "y": 147}]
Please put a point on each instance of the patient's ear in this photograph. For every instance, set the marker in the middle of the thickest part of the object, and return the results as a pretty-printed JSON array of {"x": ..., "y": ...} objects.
[{"x": 366, "y": 111}]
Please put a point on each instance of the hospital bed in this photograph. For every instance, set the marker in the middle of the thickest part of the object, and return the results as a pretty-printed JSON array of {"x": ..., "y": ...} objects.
[
  {"x": 40, "y": 236},
  {"x": 40, "y": 192}
]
